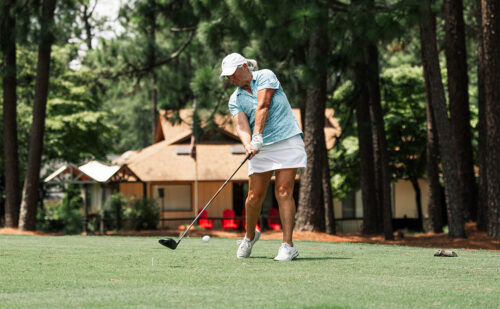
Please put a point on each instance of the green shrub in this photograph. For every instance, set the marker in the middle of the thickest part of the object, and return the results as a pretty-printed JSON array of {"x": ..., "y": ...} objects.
[
  {"x": 143, "y": 214},
  {"x": 48, "y": 218},
  {"x": 65, "y": 216},
  {"x": 114, "y": 213}
]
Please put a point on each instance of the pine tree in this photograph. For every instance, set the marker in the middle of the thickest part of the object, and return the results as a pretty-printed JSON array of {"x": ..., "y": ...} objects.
[
  {"x": 30, "y": 198},
  {"x": 458, "y": 82},
  {"x": 446, "y": 142},
  {"x": 491, "y": 49},
  {"x": 10, "y": 141}
]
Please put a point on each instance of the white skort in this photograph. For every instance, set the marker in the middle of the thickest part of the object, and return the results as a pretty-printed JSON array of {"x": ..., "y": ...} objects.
[{"x": 289, "y": 153}]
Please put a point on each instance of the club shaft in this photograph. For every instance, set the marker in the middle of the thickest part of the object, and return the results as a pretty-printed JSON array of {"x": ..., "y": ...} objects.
[{"x": 213, "y": 197}]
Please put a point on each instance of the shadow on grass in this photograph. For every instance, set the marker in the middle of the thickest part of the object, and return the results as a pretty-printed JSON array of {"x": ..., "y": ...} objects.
[
  {"x": 298, "y": 259},
  {"x": 321, "y": 258}
]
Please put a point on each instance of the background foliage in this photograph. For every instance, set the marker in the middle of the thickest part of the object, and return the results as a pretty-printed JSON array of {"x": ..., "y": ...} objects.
[{"x": 100, "y": 98}]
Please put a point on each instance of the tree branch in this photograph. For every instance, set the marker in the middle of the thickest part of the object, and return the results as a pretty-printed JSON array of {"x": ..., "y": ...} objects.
[
  {"x": 183, "y": 29},
  {"x": 337, "y": 5},
  {"x": 135, "y": 70},
  {"x": 92, "y": 11}
]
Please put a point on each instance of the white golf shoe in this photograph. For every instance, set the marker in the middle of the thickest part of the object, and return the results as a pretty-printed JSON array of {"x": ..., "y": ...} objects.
[
  {"x": 286, "y": 253},
  {"x": 246, "y": 245}
]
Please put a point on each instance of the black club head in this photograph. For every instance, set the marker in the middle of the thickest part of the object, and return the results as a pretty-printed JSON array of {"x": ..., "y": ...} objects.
[{"x": 168, "y": 242}]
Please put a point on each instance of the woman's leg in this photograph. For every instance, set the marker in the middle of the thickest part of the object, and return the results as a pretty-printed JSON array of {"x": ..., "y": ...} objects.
[
  {"x": 285, "y": 181},
  {"x": 257, "y": 188}
]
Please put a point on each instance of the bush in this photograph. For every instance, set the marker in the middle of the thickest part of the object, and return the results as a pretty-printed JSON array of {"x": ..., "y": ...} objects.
[
  {"x": 65, "y": 216},
  {"x": 48, "y": 218},
  {"x": 143, "y": 214},
  {"x": 114, "y": 213}
]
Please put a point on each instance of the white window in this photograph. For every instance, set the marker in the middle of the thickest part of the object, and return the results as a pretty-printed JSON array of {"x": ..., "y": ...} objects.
[{"x": 173, "y": 197}]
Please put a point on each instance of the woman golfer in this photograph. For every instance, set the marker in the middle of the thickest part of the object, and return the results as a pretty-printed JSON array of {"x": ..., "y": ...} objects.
[{"x": 271, "y": 135}]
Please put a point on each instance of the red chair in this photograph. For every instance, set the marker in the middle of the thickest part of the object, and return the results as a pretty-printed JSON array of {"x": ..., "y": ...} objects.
[
  {"x": 243, "y": 213},
  {"x": 274, "y": 223},
  {"x": 229, "y": 223},
  {"x": 204, "y": 222}
]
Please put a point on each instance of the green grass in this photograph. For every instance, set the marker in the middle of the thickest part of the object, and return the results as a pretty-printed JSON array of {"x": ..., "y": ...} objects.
[{"x": 117, "y": 272}]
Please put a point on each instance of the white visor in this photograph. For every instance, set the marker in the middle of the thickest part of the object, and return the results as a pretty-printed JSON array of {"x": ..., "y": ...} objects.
[{"x": 230, "y": 63}]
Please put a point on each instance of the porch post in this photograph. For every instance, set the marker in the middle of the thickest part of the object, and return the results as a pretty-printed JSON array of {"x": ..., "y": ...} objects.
[
  {"x": 144, "y": 190},
  {"x": 195, "y": 187},
  {"x": 101, "y": 210},
  {"x": 85, "y": 208}
]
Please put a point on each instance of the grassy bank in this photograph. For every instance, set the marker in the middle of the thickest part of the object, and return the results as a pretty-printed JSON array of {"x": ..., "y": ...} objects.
[{"x": 118, "y": 272}]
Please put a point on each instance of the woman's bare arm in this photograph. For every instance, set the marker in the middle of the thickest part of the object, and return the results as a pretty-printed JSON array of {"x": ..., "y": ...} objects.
[
  {"x": 264, "y": 98},
  {"x": 243, "y": 129}
]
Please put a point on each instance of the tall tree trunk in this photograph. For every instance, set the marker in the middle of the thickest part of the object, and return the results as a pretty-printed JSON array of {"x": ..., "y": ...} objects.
[
  {"x": 456, "y": 62},
  {"x": 366, "y": 159},
  {"x": 491, "y": 51},
  {"x": 380, "y": 143},
  {"x": 377, "y": 170},
  {"x": 366, "y": 133},
  {"x": 330, "y": 227},
  {"x": 30, "y": 198},
  {"x": 152, "y": 62},
  {"x": 8, "y": 43},
  {"x": 435, "y": 202},
  {"x": 311, "y": 209},
  {"x": 154, "y": 106},
  {"x": 87, "y": 14},
  {"x": 482, "y": 205},
  {"x": 446, "y": 143},
  {"x": 418, "y": 201}
]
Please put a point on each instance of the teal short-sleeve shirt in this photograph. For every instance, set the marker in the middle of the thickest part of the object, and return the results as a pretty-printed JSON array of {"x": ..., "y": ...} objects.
[{"x": 281, "y": 123}]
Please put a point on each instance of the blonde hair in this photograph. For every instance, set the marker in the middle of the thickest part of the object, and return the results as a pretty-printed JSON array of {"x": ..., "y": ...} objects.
[{"x": 252, "y": 65}]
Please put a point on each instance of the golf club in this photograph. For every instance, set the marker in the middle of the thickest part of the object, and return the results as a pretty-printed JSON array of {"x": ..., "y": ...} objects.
[{"x": 172, "y": 244}]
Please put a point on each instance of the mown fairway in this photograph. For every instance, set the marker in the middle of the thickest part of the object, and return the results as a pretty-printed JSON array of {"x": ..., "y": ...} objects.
[{"x": 118, "y": 272}]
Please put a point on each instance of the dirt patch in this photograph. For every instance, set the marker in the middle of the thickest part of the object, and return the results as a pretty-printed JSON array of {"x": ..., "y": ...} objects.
[
  {"x": 12, "y": 231},
  {"x": 474, "y": 240}
]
